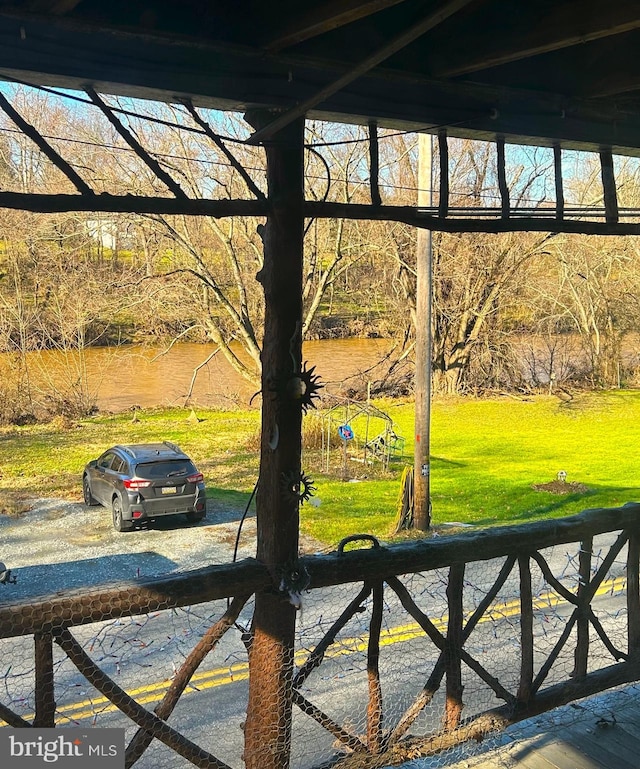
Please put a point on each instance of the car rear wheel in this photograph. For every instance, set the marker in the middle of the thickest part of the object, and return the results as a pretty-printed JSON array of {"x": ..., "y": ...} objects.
[
  {"x": 193, "y": 516},
  {"x": 119, "y": 524},
  {"x": 89, "y": 499}
]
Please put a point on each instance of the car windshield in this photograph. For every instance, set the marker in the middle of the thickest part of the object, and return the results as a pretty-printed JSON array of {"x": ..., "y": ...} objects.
[{"x": 166, "y": 469}]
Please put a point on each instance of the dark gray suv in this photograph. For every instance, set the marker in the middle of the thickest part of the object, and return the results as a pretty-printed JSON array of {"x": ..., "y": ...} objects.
[{"x": 144, "y": 481}]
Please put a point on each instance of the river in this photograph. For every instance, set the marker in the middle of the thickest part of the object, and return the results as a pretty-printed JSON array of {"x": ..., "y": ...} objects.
[
  {"x": 123, "y": 377},
  {"x": 118, "y": 378}
]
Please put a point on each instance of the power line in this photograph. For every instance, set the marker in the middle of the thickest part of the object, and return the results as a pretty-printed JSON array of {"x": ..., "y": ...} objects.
[
  {"x": 429, "y": 128},
  {"x": 122, "y": 111},
  {"x": 191, "y": 159},
  {"x": 223, "y": 164},
  {"x": 194, "y": 129}
]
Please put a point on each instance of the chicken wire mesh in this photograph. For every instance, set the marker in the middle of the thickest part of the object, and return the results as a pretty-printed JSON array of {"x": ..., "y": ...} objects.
[{"x": 356, "y": 691}]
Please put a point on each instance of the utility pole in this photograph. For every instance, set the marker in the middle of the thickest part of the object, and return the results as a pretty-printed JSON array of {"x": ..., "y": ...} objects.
[{"x": 424, "y": 275}]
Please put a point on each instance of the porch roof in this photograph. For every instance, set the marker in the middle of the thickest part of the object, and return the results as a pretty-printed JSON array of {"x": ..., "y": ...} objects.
[{"x": 544, "y": 72}]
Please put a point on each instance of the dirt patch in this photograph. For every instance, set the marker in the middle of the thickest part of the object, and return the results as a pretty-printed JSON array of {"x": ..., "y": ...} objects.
[
  {"x": 227, "y": 536},
  {"x": 562, "y": 487},
  {"x": 55, "y": 513},
  {"x": 13, "y": 504},
  {"x": 86, "y": 538},
  {"x": 444, "y": 529}
]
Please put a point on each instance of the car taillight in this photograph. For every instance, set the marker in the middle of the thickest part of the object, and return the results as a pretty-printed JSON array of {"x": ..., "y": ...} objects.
[
  {"x": 195, "y": 478},
  {"x": 133, "y": 484}
]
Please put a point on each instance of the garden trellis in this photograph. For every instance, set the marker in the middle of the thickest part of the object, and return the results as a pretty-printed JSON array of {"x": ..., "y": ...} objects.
[{"x": 362, "y": 433}]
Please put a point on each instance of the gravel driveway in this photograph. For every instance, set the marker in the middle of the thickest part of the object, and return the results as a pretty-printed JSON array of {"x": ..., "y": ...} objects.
[{"x": 58, "y": 545}]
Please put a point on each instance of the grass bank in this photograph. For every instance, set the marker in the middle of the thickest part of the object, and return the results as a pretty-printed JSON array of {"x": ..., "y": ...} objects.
[{"x": 487, "y": 456}]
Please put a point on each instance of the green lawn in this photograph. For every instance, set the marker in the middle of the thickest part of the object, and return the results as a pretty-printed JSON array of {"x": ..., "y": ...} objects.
[
  {"x": 488, "y": 454},
  {"x": 486, "y": 457}
]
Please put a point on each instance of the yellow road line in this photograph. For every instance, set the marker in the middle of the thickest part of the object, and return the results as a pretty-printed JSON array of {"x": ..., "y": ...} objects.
[{"x": 240, "y": 671}]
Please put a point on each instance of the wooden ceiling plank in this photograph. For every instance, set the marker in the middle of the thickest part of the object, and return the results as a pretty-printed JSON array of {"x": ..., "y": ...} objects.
[
  {"x": 554, "y": 35},
  {"x": 625, "y": 83},
  {"x": 330, "y": 16},
  {"x": 393, "y": 46},
  {"x": 56, "y": 7}
]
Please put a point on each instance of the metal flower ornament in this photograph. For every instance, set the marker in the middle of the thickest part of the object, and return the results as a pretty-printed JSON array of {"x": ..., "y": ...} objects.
[
  {"x": 303, "y": 387},
  {"x": 297, "y": 487}
]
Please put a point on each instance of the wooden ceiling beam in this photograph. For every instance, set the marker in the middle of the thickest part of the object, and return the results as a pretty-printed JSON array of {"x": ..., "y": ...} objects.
[
  {"x": 329, "y": 16},
  {"x": 399, "y": 42},
  {"x": 627, "y": 83},
  {"x": 552, "y": 33},
  {"x": 56, "y": 7},
  {"x": 493, "y": 222}
]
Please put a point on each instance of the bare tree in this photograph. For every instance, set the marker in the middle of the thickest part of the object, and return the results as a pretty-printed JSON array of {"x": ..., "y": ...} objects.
[
  {"x": 479, "y": 279},
  {"x": 216, "y": 262}
]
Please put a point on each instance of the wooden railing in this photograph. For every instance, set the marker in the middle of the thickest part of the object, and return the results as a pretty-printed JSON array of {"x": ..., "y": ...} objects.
[{"x": 474, "y": 571}]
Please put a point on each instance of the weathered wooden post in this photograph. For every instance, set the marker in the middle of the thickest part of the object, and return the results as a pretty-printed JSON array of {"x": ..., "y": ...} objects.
[
  {"x": 633, "y": 595},
  {"x": 581, "y": 654},
  {"x": 268, "y": 724},
  {"x": 452, "y": 657},
  {"x": 44, "y": 695},
  {"x": 526, "y": 631}
]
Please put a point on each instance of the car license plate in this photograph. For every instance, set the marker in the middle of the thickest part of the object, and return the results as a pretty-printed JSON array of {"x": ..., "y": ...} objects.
[{"x": 169, "y": 489}]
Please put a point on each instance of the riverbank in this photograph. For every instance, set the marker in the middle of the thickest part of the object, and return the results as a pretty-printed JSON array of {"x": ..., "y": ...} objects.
[{"x": 492, "y": 460}]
